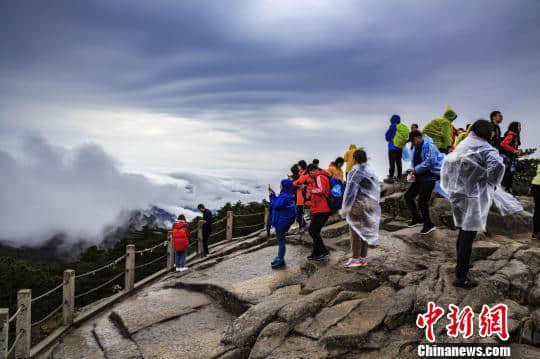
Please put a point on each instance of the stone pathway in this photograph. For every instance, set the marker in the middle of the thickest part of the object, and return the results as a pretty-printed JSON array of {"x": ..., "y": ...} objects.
[{"x": 233, "y": 305}]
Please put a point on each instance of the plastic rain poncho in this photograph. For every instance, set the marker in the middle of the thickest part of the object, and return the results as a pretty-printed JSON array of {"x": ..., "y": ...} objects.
[
  {"x": 361, "y": 206},
  {"x": 470, "y": 176}
]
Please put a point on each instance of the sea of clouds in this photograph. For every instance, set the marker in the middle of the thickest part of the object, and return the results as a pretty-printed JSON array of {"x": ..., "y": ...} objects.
[{"x": 47, "y": 189}]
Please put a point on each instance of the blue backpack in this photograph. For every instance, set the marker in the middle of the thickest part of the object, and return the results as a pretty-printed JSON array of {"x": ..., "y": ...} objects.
[{"x": 337, "y": 189}]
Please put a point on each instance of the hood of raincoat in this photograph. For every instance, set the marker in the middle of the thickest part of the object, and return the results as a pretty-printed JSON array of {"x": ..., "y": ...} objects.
[
  {"x": 395, "y": 119},
  {"x": 470, "y": 175},
  {"x": 287, "y": 186},
  {"x": 361, "y": 206},
  {"x": 352, "y": 147},
  {"x": 180, "y": 224},
  {"x": 450, "y": 114}
]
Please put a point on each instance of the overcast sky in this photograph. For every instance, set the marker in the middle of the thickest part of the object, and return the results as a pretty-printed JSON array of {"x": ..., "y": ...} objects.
[{"x": 227, "y": 87}]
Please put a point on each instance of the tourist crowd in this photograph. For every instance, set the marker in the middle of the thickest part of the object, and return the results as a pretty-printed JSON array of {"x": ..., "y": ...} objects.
[{"x": 468, "y": 166}]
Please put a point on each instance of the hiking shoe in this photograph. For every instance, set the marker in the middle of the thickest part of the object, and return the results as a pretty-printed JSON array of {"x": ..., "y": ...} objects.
[
  {"x": 465, "y": 283},
  {"x": 355, "y": 263},
  {"x": 321, "y": 256},
  {"x": 183, "y": 269},
  {"x": 278, "y": 264},
  {"x": 415, "y": 223},
  {"x": 428, "y": 229},
  {"x": 311, "y": 256}
]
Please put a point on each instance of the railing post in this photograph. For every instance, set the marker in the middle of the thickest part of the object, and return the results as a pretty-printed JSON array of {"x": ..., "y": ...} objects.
[
  {"x": 200, "y": 249},
  {"x": 68, "y": 306},
  {"x": 266, "y": 211},
  {"x": 4, "y": 331},
  {"x": 23, "y": 324},
  {"x": 170, "y": 253},
  {"x": 229, "y": 226},
  {"x": 129, "y": 282}
]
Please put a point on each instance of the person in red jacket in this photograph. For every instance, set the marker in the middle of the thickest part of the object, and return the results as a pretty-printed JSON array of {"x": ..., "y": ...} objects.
[
  {"x": 319, "y": 189},
  {"x": 180, "y": 238},
  {"x": 301, "y": 184},
  {"x": 509, "y": 148}
]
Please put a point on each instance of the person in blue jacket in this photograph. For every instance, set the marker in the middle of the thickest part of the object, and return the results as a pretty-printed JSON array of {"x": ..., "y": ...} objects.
[
  {"x": 426, "y": 171},
  {"x": 283, "y": 216}
]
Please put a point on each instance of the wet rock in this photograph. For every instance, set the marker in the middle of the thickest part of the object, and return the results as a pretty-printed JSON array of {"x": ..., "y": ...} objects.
[
  {"x": 513, "y": 326},
  {"x": 335, "y": 230},
  {"x": 394, "y": 279},
  {"x": 441, "y": 213},
  {"x": 525, "y": 351},
  {"x": 79, "y": 344},
  {"x": 271, "y": 337},
  {"x": 307, "y": 305},
  {"x": 527, "y": 331},
  {"x": 488, "y": 266},
  {"x": 151, "y": 307},
  {"x": 506, "y": 251},
  {"x": 394, "y": 205},
  {"x": 392, "y": 225},
  {"x": 485, "y": 293},
  {"x": 343, "y": 296},
  {"x": 517, "y": 223},
  {"x": 515, "y": 310},
  {"x": 237, "y": 353},
  {"x": 299, "y": 347},
  {"x": 536, "y": 334},
  {"x": 354, "y": 329},
  {"x": 191, "y": 336},
  {"x": 483, "y": 249},
  {"x": 402, "y": 310},
  {"x": 518, "y": 275},
  {"x": 113, "y": 342},
  {"x": 353, "y": 280},
  {"x": 411, "y": 278},
  {"x": 315, "y": 327},
  {"x": 244, "y": 330},
  {"x": 501, "y": 282},
  {"x": 534, "y": 293},
  {"x": 530, "y": 257}
]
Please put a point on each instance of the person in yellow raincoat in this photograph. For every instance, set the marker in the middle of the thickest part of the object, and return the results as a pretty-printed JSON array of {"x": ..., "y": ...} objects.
[
  {"x": 440, "y": 130},
  {"x": 349, "y": 160}
]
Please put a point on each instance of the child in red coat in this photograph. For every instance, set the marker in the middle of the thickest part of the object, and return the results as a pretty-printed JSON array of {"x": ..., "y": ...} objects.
[{"x": 180, "y": 238}]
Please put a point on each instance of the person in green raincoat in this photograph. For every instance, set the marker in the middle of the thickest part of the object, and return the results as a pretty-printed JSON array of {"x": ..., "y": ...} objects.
[{"x": 440, "y": 130}]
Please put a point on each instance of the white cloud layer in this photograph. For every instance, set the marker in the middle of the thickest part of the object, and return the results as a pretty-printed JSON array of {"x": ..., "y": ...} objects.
[{"x": 48, "y": 190}]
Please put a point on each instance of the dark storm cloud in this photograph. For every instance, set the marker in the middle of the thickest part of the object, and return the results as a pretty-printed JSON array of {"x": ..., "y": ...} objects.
[
  {"x": 257, "y": 68},
  {"x": 183, "y": 57}
]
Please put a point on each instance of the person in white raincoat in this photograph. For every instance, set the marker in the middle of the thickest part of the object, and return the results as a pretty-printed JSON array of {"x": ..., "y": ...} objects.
[
  {"x": 470, "y": 175},
  {"x": 361, "y": 209}
]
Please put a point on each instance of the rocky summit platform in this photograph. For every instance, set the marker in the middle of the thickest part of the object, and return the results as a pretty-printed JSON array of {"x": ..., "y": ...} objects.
[{"x": 233, "y": 305}]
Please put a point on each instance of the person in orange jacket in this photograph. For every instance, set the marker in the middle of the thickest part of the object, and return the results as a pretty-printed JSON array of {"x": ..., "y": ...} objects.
[
  {"x": 301, "y": 185},
  {"x": 348, "y": 157},
  {"x": 319, "y": 189},
  {"x": 180, "y": 239},
  {"x": 334, "y": 169}
]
